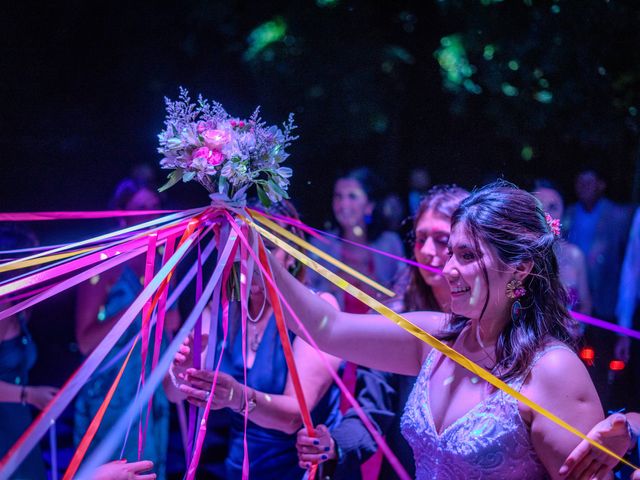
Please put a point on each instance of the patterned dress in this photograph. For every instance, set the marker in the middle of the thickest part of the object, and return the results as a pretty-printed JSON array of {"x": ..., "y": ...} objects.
[{"x": 490, "y": 441}]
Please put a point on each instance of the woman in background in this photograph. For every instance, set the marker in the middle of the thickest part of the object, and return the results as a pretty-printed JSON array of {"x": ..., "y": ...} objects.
[
  {"x": 355, "y": 200},
  {"x": 573, "y": 267},
  {"x": 273, "y": 411},
  {"x": 100, "y": 304},
  {"x": 17, "y": 356}
]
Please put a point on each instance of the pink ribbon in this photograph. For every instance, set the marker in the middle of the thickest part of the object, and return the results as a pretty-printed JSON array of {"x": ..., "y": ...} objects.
[
  {"x": 197, "y": 450},
  {"x": 393, "y": 460},
  {"x": 297, "y": 223},
  {"x": 167, "y": 221},
  {"x": 40, "y": 216},
  {"x": 82, "y": 262},
  {"x": 38, "y": 428},
  {"x": 596, "y": 322},
  {"x": 108, "y": 445}
]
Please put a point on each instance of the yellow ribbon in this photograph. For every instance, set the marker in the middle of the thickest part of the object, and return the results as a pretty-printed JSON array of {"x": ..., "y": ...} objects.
[
  {"x": 421, "y": 334},
  {"x": 45, "y": 259},
  {"x": 306, "y": 245},
  {"x": 61, "y": 256}
]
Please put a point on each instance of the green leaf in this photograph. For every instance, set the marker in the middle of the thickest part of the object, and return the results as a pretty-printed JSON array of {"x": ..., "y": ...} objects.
[
  {"x": 264, "y": 200},
  {"x": 174, "y": 177},
  {"x": 223, "y": 184},
  {"x": 277, "y": 188}
]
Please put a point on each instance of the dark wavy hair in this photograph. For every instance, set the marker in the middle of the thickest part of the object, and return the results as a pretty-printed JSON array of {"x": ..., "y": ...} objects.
[
  {"x": 512, "y": 222},
  {"x": 444, "y": 199}
]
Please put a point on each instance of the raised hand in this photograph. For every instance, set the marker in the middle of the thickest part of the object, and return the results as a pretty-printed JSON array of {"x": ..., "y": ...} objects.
[{"x": 183, "y": 360}]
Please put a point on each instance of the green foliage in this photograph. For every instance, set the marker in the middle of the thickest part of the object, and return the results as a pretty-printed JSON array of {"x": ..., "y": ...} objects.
[{"x": 549, "y": 74}]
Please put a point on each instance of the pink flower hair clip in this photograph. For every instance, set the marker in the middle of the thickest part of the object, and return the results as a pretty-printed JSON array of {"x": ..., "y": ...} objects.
[{"x": 554, "y": 224}]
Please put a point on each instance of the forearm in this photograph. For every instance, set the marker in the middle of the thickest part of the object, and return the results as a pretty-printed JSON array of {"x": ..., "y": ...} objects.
[
  {"x": 10, "y": 393},
  {"x": 368, "y": 339},
  {"x": 278, "y": 412},
  {"x": 317, "y": 315}
]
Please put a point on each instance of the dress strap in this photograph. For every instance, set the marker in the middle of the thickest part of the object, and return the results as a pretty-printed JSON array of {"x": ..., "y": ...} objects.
[{"x": 517, "y": 384}]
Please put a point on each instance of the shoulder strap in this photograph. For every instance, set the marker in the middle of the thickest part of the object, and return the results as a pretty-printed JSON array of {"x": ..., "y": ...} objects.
[{"x": 517, "y": 384}]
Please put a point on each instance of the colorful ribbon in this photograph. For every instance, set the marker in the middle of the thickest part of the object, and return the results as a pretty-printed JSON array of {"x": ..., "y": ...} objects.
[
  {"x": 40, "y": 216},
  {"x": 38, "y": 428},
  {"x": 108, "y": 445},
  {"x": 430, "y": 340}
]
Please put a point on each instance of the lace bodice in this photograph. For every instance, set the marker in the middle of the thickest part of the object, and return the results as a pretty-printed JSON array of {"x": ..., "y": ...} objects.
[{"x": 490, "y": 441}]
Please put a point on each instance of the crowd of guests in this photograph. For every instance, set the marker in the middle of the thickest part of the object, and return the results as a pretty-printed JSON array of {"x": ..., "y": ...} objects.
[{"x": 498, "y": 285}]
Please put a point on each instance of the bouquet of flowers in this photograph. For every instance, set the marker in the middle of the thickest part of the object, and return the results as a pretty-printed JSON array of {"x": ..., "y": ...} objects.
[{"x": 226, "y": 155}]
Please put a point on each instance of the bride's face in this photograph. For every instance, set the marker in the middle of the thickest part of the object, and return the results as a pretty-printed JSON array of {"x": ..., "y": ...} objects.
[{"x": 475, "y": 275}]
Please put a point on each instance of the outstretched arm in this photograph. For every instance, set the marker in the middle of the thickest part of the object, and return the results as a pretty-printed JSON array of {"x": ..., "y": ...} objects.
[{"x": 369, "y": 340}]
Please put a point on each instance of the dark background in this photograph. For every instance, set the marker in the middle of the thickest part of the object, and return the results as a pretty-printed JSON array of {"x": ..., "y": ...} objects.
[{"x": 82, "y": 90}]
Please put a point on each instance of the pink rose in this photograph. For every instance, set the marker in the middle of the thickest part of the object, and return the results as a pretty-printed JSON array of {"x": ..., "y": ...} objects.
[
  {"x": 216, "y": 158},
  {"x": 216, "y": 139},
  {"x": 201, "y": 127},
  {"x": 212, "y": 157}
]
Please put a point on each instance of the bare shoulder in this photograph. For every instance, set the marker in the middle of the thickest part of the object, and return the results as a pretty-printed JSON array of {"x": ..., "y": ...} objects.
[
  {"x": 559, "y": 369},
  {"x": 558, "y": 380}
]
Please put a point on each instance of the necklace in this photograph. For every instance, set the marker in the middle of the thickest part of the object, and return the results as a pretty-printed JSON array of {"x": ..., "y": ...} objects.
[
  {"x": 255, "y": 331},
  {"x": 264, "y": 304},
  {"x": 254, "y": 341}
]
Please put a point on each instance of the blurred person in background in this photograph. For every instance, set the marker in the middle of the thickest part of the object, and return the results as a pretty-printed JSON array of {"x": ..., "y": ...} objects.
[
  {"x": 17, "y": 356},
  {"x": 573, "y": 268},
  {"x": 599, "y": 227},
  {"x": 100, "y": 304}
]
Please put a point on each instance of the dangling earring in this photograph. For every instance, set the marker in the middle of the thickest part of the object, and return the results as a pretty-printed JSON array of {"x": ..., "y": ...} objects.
[
  {"x": 515, "y": 291},
  {"x": 517, "y": 312}
]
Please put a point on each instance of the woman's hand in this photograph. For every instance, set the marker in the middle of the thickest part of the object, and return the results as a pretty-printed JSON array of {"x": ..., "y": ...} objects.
[
  {"x": 318, "y": 449},
  {"x": 228, "y": 392},
  {"x": 40, "y": 396},
  {"x": 121, "y": 470},
  {"x": 184, "y": 360},
  {"x": 586, "y": 461}
]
